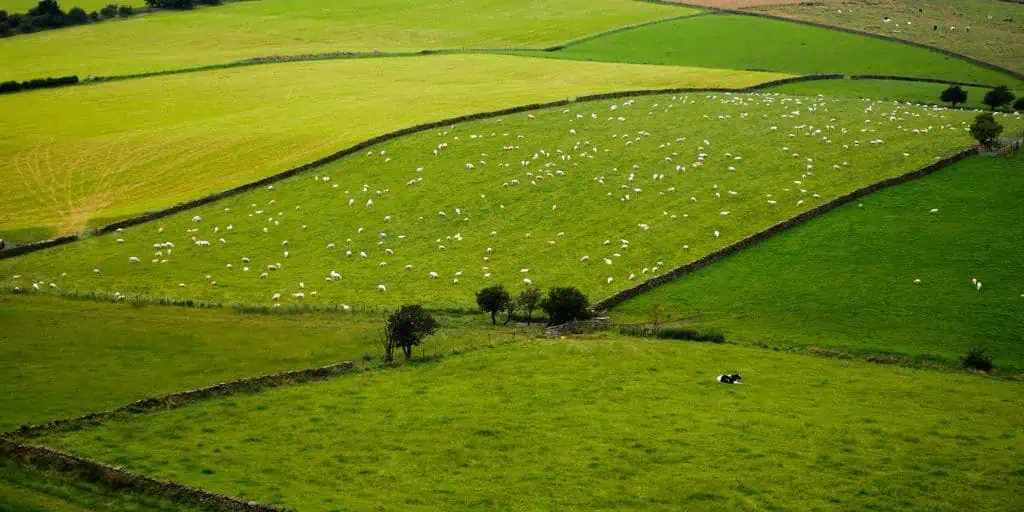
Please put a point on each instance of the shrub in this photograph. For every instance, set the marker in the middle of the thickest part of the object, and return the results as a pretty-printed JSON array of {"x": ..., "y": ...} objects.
[
  {"x": 210, "y": 2},
  {"x": 1019, "y": 105},
  {"x": 171, "y": 4},
  {"x": 3, "y": 17},
  {"x": 998, "y": 97},
  {"x": 109, "y": 11},
  {"x": 94, "y": 16},
  {"x": 954, "y": 95},
  {"x": 77, "y": 16},
  {"x": 986, "y": 129},
  {"x": 125, "y": 10},
  {"x": 493, "y": 300},
  {"x": 46, "y": 7},
  {"x": 977, "y": 359},
  {"x": 674, "y": 333},
  {"x": 564, "y": 305}
]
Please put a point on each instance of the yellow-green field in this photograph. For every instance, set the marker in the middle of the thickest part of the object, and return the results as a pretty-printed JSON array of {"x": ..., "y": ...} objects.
[
  {"x": 205, "y": 132},
  {"x": 236, "y": 31}
]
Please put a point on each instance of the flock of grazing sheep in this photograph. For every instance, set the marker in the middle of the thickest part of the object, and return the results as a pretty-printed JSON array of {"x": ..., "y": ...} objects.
[{"x": 599, "y": 195}]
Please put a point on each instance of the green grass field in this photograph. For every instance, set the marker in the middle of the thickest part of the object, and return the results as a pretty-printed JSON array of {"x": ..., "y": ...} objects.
[
  {"x": 590, "y": 193},
  {"x": 101, "y": 356},
  {"x": 243, "y": 30},
  {"x": 210, "y": 131},
  {"x": 925, "y": 93},
  {"x": 846, "y": 279},
  {"x": 595, "y": 424},
  {"x": 743, "y": 42},
  {"x": 989, "y": 31}
]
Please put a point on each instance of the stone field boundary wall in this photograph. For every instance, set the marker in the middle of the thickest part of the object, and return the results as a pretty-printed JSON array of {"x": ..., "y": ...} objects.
[
  {"x": 195, "y": 203},
  {"x": 624, "y": 295}
]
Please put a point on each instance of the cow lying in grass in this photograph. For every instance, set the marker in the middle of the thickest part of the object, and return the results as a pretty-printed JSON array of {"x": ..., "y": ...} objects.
[{"x": 729, "y": 379}]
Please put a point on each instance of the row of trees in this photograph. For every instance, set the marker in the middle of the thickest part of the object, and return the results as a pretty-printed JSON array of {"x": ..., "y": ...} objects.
[
  {"x": 561, "y": 304},
  {"x": 49, "y": 15},
  {"x": 37, "y": 83},
  {"x": 995, "y": 98}
]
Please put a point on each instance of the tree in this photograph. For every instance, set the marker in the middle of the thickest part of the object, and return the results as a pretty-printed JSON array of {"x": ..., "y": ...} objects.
[
  {"x": 1019, "y": 105},
  {"x": 125, "y": 10},
  {"x": 998, "y": 97},
  {"x": 94, "y": 16},
  {"x": 3, "y": 17},
  {"x": 109, "y": 11},
  {"x": 565, "y": 305},
  {"x": 171, "y": 4},
  {"x": 529, "y": 299},
  {"x": 406, "y": 329},
  {"x": 657, "y": 312},
  {"x": 954, "y": 95},
  {"x": 510, "y": 309},
  {"x": 493, "y": 300},
  {"x": 46, "y": 7},
  {"x": 77, "y": 16},
  {"x": 985, "y": 129}
]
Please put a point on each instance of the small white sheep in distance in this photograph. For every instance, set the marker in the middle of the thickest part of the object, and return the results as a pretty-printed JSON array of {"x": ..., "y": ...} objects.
[
  {"x": 133, "y": 259},
  {"x": 381, "y": 288}
]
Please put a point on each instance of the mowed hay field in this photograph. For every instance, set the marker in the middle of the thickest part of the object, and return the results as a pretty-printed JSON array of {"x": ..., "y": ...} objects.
[
  {"x": 242, "y": 30},
  {"x": 599, "y": 195},
  {"x": 210, "y": 131},
  {"x": 846, "y": 279},
  {"x": 594, "y": 424},
  {"x": 894, "y": 90},
  {"x": 746, "y": 42},
  {"x": 989, "y": 31}
]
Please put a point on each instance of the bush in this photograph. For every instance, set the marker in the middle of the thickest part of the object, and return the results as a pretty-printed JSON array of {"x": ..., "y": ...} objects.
[
  {"x": 998, "y": 97},
  {"x": 1019, "y": 105},
  {"x": 564, "y": 305},
  {"x": 986, "y": 129},
  {"x": 405, "y": 329},
  {"x": 38, "y": 83},
  {"x": 125, "y": 10},
  {"x": 109, "y": 11},
  {"x": 77, "y": 16},
  {"x": 977, "y": 359},
  {"x": 46, "y": 7},
  {"x": 674, "y": 333},
  {"x": 954, "y": 95},
  {"x": 3, "y": 17},
  {"x": 171, "y": 4},
  {"x": 94, "y": 16},
  {"x": 529, "y": 299}
]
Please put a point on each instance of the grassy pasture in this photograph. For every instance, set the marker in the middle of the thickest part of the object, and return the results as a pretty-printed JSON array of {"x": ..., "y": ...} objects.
[
  {"x": 579, "y": 194},
  {"x": 744, "y": 42},
  {"x": 262, "y": 28},
  {"x": 981, "y": 28},
  {"x": 846, "y": 279},
  {"x": 891, "y": 90},
  {"x": 209, "y": 131},
  {"x": 595, "y": 424}
]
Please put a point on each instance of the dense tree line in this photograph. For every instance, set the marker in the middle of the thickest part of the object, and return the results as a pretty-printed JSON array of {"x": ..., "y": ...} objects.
[
  {"x": 38, "y": 83},
  {"x": 48, "y": 15}
]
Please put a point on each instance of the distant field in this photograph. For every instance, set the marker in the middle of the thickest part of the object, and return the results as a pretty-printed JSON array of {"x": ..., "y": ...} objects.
[
  {"x": 77, "y": 156},
  {"x": 846, "y": 279},
  {"x": 885, "y": 90},
  {"x": 744, "y": 42},
  {"x": 595, "y": 425},
  {"x": 616, "y": 180},
  {"x": 989, "y": 31},
  {"x": 260, "y": 28}
]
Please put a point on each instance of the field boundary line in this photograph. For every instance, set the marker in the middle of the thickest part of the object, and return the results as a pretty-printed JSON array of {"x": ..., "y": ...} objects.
[
  {"x": 359, "y": 146},
  {"x": 898, "y": 78},
  {"x": 756, "y": 14},
  {"x": 115, "y": 477},
  {"x": 775, "y": 229},
  {"x": 558, "y": 47}
]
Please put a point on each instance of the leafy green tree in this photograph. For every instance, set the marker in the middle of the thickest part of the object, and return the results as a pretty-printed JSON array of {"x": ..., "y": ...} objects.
[
  {"x": 954, "y": 95},
  {"x": 493, "y": 300},
  {"x": 529, "y": 300},
  {"x": 986, "y": 129},
  {"x": 3, "y": 17},
  {"x": 406, "y": 329},
  {"x": 1019, "y": 105},
  {"x": 94, "y": 16},
  {"x": 125, "y": 10},
  {"x": 46, "y": 7},
  {"x": 998, "y": 97},
  {"x": 565, "y": 305},
  {"x": 109, "y": 11}
]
